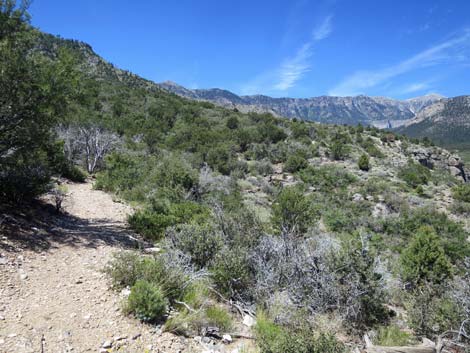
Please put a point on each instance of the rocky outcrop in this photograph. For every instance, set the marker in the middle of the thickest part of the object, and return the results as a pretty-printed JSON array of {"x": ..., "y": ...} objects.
[{"x": 440, "y": 158}]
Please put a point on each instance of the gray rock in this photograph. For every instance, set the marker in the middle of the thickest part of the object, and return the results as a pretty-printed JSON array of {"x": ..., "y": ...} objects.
[
  {"x": 108, "y": 344},
  {"x": 227, "y": 339},
  {"x": 357, "y": 198},
  {"x": 249, "y": 321}
]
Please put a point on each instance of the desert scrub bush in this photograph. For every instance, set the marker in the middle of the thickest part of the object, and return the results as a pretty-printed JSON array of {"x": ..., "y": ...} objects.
[
  {"x": 364, "y": 295},
  {"x": 339, "y": 146},
  {"x": 295, "y": 163},
  {"x": 462, "y": 193},
  {"x": 200, "y": 242},
  {"x": 393, "y": 336},
  {"x": 293, "y": 211},
  {"x": 146, "y": 301},
  {"x": 363, "y": 163},
  {"x": 218, "y": 317},
  {"x": 370, "y": 147},
  {"x": 326, "y": 178},
  {"x": 231, "y": 273},
  {"x": 171, "y": 271},
  {"x": 152, "y": 222},
  {"x": 451, "y": 234},
  {"x": 74, "y": 173},
  {"x": 462, "y": 208},
  {"x": 415, "y": 174},
  {"x": 272, "y": 338},
  {"x": 424, "y": 260},
  {"x": 263, "y": 167}
]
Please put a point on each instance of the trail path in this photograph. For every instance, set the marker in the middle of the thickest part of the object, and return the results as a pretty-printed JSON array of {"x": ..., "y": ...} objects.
[{"x": 54, "y": 297}]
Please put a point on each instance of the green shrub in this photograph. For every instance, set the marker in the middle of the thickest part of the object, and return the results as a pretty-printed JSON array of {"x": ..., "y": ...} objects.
[
  {"x": 393, "y": 336},
  {"x": 451, "y": 234},
  {"x": 424, "y": 260},
  {"x": 431, "y": 311},
  {"x": 152, "y": 222},
  {"x": 126, "y": 268},
  {"x": 295, "y": 163},
  {"x": 230, "y": 272},
  {"x": 339, "y": 148},
  {"x": 264, "y": 167},
  {"x": 146, "y": 301},
  {"x": 202, "y": 243},
  {"x": 326, "y": 178},
  {"x": 363, "y": 163},
  {"x": 293, "y": 212},
  {"x": 415, "y": 174},
  {"x": 272, "y": 338},
  {"x": 218, "y": 317},
  {"x": 74, "y": 173},
  {"x": 461, "y": 193}
]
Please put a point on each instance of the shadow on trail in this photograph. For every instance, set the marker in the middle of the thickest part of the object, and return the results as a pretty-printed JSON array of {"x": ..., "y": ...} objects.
[{"x": 41, "y": 228}]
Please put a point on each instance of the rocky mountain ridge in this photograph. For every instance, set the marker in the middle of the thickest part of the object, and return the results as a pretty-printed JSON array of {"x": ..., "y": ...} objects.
[{"x": 379, "y": 111}]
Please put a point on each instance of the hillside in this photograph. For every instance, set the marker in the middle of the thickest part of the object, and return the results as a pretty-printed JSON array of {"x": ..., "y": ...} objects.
[
  {"x": 252, "y": 233},
  {"x": 447, "y": 123},
  {"x": 334, "y": 110}
]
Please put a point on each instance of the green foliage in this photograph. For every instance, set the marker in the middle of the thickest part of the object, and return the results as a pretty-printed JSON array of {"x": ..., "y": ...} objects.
[
  {"x": 431, "y": 312},
  {"x": 393, "y": 336},
  {"x": 272, "y": 338},
  {"x": 230, "y": 271},
  {"x": 424, "y": 260},
  {"x": 363, "y": 163},
  {"x": 358, "y": 265},
  {"x": 293, "y": 212},
  {"x": 295, "y": 163},
  {"x": 462, "y": 193},
  {"x": 152, "y": 223},
  {"x": 218, "y": 317},
  {"x": 339, "y": 148},
  {"x": 146, "y": 301},
  {"x": 34, "y": 91},
  {"x": 326, "y": 178},
  {"x": 126, "y": 268},
  {"x": 201, "y": 242},
  {"x": 233, "y": 122},
  {"x": 415, "y": 174}
]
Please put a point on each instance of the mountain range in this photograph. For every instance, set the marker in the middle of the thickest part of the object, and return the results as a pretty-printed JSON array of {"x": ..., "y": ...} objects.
[
  {"x": 445, "y": 120},
  {"x": 378, "y": 111}
]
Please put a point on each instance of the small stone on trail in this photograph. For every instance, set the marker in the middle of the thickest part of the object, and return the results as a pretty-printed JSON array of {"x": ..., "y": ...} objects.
[
  {"x": 107, "y": 344},
  {"x": 226, "y": 339},
  {"x": 137, "y": 335},
  {"x": 23, "y": 276}
]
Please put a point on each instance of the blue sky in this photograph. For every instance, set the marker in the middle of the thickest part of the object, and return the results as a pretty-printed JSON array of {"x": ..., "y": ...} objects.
[{"x": 301, "y": 48}]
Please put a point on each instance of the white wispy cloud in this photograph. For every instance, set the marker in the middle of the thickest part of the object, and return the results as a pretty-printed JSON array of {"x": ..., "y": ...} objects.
[
  {"x": 415, "y": 87},
  {"x": 293, "y": 68},
  {"x": 324, "y": 29},
  {"x": 449, "y": 51}
]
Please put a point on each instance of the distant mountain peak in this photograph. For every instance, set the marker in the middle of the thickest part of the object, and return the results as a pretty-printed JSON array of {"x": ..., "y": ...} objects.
[{"x": 327, "y": 109}]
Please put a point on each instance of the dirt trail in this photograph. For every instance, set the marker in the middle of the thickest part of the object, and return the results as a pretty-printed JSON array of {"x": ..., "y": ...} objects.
[{"x": 53, "y": 296}]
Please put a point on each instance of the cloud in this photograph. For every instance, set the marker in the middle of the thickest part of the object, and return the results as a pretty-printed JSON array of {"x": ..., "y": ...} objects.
[
  {"x": 324, "y": 29},
  {"x": 450, "y": 51},
  {"x": 295, "y": 67},
  {"x": 415, "y": 87}
]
